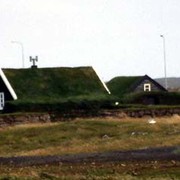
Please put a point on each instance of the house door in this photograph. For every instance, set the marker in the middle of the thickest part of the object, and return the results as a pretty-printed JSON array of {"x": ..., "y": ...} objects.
[{"x": 1, "y": 100}]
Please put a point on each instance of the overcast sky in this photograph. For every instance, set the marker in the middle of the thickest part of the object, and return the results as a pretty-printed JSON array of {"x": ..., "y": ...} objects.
[{"x": 116, "y": 37}]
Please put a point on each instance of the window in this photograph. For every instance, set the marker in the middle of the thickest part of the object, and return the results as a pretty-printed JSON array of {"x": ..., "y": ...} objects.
[
  {"x": 1, "y": 100},
  {"x": 147, "y": 87}
]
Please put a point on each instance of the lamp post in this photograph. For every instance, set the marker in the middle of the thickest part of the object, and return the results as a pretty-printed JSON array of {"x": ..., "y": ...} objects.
[
  {"x": 164, "y": 52},
  {"x": 22, "y": 50}
]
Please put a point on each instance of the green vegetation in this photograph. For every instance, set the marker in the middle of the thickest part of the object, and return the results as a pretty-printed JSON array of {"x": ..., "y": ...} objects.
[
  {"x": 67, "y": 89},
  {"x": 54, "y": 84},
  {"x": 119, "y": 86},
  {"x": 159, "y": 98},
  {"x": 93, "y": 103},
  {"x": 55, "y": 89},
  {"x": 87, "y": 135}
]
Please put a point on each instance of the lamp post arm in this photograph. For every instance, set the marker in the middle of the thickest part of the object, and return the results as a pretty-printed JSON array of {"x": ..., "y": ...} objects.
[{"x": 22, "y": 50}]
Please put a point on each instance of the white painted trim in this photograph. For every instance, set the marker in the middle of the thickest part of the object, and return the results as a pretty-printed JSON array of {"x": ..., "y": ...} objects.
[
  {"x": 107, "y": 89},
  {"x": 8, "y": 85}
]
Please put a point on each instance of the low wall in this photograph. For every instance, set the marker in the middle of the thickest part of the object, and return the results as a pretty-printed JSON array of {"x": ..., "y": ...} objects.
[
  {"x": 24, "y": 118},
  {"x": 148, "y": 112},
  {"x": 7, "y": 120}
]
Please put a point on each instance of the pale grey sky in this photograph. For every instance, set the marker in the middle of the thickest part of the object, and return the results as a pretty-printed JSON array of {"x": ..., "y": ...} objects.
[{"x": 116, "y": 37}]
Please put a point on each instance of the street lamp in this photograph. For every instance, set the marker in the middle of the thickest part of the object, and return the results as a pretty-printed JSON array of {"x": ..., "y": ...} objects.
[
  {"x": 164, "y": 52},
  {"x": 22, "y": 50}
]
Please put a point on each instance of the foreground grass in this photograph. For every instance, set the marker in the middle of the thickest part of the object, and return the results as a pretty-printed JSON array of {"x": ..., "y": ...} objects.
[
  {"x": 89, "y": 135},
  {"x": 124, "y": 170}
]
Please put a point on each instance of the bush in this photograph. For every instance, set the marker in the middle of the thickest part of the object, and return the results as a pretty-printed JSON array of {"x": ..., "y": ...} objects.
[
  {"x": 85, "y": 103},
  {"x": 156, "y": 98}
]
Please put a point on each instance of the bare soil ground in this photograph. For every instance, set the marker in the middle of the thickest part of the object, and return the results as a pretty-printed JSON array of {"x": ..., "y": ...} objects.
[{"x": 149, "y": 154}]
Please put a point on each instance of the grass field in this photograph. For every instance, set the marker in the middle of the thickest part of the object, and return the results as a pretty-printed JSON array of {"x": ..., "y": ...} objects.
[
  {"x": 88, "y": 135},
  {"x": 91, "y": 135}
]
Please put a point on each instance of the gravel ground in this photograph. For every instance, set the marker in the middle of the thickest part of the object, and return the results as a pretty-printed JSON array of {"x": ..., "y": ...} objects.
[{"x": 149, "y": 154}]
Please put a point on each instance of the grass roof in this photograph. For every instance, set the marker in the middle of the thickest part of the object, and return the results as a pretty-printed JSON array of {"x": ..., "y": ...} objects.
[
  {"x": 54, "y": 83},
  {"x": 122, "y": 84}
]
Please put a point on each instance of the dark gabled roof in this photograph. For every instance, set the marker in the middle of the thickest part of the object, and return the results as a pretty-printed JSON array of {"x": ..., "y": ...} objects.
[
  {"x": 150, "y": 79},
  {"x": 125, "y": 84},
  {"x": 54, "y": 83}
]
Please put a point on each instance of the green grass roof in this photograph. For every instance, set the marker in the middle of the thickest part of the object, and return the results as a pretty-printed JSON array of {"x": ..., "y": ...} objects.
[
  {"x": 54, "y": 83},
  {"x": 122, "y": 84}
]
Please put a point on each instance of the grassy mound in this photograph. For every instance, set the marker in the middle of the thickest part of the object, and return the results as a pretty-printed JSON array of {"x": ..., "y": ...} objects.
[
  {"x": 122, "y": 85},
  {"x": 54, "y": 83}
]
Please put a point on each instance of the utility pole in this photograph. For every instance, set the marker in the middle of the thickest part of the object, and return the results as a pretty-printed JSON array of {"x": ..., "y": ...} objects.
[{"x": 164, "y": 53}]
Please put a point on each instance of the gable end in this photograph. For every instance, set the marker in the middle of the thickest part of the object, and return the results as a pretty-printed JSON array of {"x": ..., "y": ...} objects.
[{"x": 139, "y": 85}]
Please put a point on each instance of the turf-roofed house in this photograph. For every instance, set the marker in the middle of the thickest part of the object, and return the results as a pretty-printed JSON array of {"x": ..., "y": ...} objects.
[
  {"x": 49, "y": 84},
  {"x": 132, "y": 85}
]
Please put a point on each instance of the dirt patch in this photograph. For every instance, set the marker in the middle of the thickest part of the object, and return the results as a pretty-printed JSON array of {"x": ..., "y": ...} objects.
[{"x": 149, "y": 154}]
